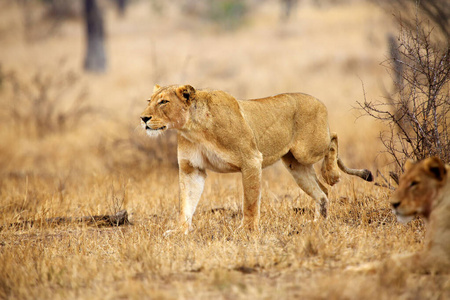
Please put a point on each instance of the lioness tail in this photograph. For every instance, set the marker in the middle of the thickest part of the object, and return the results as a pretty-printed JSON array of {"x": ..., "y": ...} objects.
[{"x": 363, "y": 173}]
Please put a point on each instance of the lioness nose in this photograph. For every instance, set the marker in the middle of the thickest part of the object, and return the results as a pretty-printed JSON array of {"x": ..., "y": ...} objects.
[
  {"x": 145, "y": 119},
  {"x": 395, "y": 205}
]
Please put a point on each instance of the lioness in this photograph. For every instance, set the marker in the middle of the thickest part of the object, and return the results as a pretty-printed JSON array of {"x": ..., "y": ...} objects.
[
  {"x": 424, "y": 189},
  {"x": 219, "y": 133}
]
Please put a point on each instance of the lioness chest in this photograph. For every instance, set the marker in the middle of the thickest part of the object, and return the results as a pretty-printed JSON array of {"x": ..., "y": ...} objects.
[{"x": 201, "y": 157}]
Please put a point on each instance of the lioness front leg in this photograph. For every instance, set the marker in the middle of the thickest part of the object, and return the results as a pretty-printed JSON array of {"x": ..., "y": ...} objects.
[
  {"x": 251, "y": 181},
  {"x": 192, "y": 181}
]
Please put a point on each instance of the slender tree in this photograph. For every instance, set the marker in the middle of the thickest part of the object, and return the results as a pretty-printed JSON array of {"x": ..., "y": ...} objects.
[
  {"x": 287, "y": 8},
  {"x": 121, "y": 7},
  {"x": 95, "y": 60}
]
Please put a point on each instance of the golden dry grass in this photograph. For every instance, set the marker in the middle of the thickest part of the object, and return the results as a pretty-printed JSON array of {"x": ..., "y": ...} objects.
[{"x": 103, "y": 164}]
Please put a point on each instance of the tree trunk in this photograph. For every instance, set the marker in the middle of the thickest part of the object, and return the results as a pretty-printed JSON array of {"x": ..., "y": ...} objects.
[
  {"x": 288, "y": 6},
  {"x": 121, "y": 7},
  {"x": 95, "y": 60}
]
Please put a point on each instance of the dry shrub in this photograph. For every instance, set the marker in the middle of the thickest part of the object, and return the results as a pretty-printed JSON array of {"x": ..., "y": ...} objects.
[
  {"x": 225, "y": 14},
  {"x": 416, "y": 114},
  {"x": 48, "y": 102},
  {"x": 43, "y": 19},
  {"x": 135, "y": 151}
]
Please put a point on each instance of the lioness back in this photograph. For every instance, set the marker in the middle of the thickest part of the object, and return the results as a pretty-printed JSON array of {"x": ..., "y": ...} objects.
[{"x": 289, "y": 121}]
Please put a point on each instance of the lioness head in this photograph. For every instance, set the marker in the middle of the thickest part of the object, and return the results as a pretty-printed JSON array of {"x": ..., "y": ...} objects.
[
  {"x": 418, "y": 188},
  {"x": 167, "y": 108}
]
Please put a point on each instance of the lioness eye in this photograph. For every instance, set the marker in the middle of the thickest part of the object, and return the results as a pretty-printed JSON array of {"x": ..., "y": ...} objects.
[
  {"x": 163, "y": 102},
  {"x": 413, "y": 183}
]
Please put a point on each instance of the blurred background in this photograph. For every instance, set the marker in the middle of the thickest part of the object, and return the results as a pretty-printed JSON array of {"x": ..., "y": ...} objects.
[
  {"x": 75, "y": 75},
  {"x": 74, "y": 78}
]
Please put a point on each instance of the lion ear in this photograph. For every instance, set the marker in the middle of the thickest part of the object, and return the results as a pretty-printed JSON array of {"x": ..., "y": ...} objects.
[
  {"x": 186, "y": 92},
  {"x": 156, "y": 87},
  {"x": 435, "y": 167}
]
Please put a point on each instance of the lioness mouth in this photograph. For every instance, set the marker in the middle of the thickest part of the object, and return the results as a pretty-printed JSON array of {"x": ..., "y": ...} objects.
[{"x": 160, "y": 128}]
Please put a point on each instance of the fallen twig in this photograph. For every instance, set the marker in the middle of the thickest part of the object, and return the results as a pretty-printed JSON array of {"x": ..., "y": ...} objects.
[{"x": 118, "y": 219}]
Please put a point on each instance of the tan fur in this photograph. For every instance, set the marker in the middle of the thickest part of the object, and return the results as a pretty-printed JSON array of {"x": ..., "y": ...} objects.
[
  {"x": 424, "y": 190},
  {"x": 220, "y": 133}
]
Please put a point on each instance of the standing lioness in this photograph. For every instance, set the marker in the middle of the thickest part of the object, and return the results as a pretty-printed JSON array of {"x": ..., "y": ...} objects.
[{"x": 220, "y": 133}]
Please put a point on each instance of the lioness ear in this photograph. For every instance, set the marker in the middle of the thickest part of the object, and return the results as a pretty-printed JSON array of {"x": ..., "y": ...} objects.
[
  {"x": 186, "y": 92},
  {"x": 408, "y": 164},
  {"x": 156, "y": 87},
  {"x": 435, "y": 167}
]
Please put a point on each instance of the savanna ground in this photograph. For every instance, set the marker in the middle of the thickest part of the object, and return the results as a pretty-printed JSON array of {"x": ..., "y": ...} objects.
[{"x": 71, "y": 145}]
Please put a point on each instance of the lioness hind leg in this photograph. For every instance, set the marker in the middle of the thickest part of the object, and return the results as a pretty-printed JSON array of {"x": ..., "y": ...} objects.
[
  {"x": 330, "y": 170},
  {"x": 306, "y": 178}
]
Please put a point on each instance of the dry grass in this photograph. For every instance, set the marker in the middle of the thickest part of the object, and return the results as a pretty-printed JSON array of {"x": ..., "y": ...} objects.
[{"x": 101, "y": 164}]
